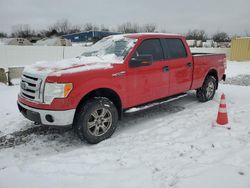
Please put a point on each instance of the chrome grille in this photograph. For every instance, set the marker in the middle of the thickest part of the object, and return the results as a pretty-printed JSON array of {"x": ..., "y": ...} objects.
[{"x": 30, "y": 87}]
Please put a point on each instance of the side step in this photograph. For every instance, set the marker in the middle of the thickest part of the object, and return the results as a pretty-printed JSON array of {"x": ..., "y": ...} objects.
[{"x": 151, "y": 104}]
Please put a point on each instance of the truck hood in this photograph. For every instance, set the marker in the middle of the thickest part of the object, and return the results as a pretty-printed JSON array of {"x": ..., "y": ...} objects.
[{"x": 68, "y": 66}]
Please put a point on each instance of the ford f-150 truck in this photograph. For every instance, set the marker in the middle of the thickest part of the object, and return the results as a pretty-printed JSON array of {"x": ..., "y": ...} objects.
[{"x": 91, "y": 92}]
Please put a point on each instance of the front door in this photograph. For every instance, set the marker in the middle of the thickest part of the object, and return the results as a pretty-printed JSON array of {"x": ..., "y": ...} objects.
[{"x": 147, "y": 83}]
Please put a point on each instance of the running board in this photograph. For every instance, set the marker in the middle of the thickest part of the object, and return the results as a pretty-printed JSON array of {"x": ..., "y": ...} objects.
[{"x": 152, "y": 104}]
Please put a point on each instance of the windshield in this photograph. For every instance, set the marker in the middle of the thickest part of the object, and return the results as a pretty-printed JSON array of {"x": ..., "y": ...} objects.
[{"x": 117, "y": 45}]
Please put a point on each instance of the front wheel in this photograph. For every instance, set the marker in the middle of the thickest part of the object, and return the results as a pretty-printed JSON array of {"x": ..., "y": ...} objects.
[
  {"x": 207, "y": 91},
  {"x": 96, "y": 120}
]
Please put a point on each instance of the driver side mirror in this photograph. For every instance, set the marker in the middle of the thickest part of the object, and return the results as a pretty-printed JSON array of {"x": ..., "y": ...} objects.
[{"x": 141, "y": 60}]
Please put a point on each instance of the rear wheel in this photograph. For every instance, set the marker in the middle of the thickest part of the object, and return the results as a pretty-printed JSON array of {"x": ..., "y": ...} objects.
[
  {"x": 207, "y": 91},
  {"x": 96, "y": 120}
]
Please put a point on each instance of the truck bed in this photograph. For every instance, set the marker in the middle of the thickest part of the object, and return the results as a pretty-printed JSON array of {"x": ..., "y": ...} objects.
[{"x": 203, "y": 62}]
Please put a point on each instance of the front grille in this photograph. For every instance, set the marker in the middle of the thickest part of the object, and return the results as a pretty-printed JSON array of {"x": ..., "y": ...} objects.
[{"x": 30, "y": 87}]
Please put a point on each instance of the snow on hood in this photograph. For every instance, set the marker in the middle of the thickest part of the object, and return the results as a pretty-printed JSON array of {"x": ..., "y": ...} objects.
[{"x": 72, "y": 65}]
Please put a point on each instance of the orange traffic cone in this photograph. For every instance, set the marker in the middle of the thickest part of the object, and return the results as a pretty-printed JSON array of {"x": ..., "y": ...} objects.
[{"x": 222, "y": 118}]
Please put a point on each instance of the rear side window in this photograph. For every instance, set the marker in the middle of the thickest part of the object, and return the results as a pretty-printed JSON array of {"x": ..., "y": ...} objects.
[
  {"x": 174, "y": 48},
  {"x": 150, "y": 47}
]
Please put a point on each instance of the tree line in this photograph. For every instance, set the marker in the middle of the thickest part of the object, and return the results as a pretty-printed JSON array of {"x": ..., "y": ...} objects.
[
  {"x": 202, "y": 35},
  {"x": 63, "y": 26}
]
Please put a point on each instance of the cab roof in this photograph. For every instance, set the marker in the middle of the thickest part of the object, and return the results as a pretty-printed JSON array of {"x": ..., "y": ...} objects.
[{"x": 151, "y": 35}]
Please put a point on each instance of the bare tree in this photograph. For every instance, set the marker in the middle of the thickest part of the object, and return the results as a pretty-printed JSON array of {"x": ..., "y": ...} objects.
[
  {"x": 75, "y": 29},
  {"x": 104, "y": 28},
  {"x": 247, "y": 34},
  {"x": 3, "y": 35},
  {"x": 52, "y": 33},
  {"x": 164, "y": 31},
  {"x": 90, "y": 27},
  {"x": 221, "y": 37},
  {"x": 148, "y": 28},
  {"x": 128, "y": 28},
  {"x": 22, "y": 30},
  {"x": 61, "y": 26},
  {"x": 196, "y": 35}
]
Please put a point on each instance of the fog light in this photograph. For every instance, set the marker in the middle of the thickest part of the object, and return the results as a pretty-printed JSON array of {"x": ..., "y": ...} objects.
[{"x": 49, "y": 118}]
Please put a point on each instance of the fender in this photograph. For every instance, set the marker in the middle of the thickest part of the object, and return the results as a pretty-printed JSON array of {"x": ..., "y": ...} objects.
[
  {"x": 81, "y": 91},
  {"x": 199, "y": 83}
]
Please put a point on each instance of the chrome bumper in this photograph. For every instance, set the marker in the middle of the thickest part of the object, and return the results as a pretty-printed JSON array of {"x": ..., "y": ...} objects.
[{"x": 47, "y": 117}]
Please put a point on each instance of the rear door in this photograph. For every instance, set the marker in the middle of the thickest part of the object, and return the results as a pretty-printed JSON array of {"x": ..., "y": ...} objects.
[
  {"x": 146, "y": 83},
  {"x": 179, "y": 63}
]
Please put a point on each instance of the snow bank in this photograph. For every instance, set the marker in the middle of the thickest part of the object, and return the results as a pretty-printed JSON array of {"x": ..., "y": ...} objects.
[
  {"x": 11, "y": 119},
  {"x": 55, "y": 41},
  {"x": 235, "y": 68}
]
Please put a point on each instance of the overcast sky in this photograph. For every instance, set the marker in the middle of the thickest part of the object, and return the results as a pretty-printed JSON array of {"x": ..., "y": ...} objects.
[{"x": 178, "y": 16}]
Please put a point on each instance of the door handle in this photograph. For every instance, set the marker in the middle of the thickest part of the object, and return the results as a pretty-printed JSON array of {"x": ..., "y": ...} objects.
[
  {"x": 165, "y": 69},
  {"x": 119, "y": 73},
  {"x": 189, "y": 64}
]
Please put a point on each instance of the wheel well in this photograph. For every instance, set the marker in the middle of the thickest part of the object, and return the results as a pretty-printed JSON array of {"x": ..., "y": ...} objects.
[
  {"x": 214, "y": 73},
  {"x": 104, "y": 92}
]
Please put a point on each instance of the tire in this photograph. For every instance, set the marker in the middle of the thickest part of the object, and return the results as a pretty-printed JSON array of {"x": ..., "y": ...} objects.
[
  {"x": 96, "y": 120},
  {"x": 207, "y": 91}
]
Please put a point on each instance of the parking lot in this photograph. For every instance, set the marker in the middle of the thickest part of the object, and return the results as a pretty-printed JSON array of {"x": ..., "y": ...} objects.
[{"x": 168, "y": 145}]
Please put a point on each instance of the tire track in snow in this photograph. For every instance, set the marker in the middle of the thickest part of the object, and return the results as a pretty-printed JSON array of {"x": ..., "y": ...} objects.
[{"x": 24, "y": 136}]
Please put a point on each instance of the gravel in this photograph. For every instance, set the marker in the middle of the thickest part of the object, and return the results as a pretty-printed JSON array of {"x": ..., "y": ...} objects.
[
  {"x": 242, "y": 80},
  {"x": 24, "y": 136}
]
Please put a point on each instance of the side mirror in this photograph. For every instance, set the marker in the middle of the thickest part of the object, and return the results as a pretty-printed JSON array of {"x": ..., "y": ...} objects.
[{"x": 141, "y": 60}]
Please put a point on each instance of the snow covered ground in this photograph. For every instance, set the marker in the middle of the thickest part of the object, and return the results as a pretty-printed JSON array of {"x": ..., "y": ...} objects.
[{"x": 169, "y": 145}]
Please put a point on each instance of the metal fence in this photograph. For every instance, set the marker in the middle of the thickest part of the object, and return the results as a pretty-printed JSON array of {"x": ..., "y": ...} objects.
[
  {"x": 26, "y": 55},
  {"x": 240, "y": 49}
]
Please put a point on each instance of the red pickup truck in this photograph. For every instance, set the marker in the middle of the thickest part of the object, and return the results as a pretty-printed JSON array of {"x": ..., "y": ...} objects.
[{"x": 91, "y": 92}]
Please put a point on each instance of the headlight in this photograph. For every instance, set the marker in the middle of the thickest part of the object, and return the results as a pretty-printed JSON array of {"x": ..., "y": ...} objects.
[{"x": 54, "y": 90}]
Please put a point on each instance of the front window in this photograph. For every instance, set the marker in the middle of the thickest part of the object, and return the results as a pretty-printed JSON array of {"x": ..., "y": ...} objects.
[
  {"x": 150, "y": 47},
  {"x": 117, "y": 45}
]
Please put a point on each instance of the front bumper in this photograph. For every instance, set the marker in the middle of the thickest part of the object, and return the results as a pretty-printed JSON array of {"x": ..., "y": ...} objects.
[{"x": 47, "y": 117}]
